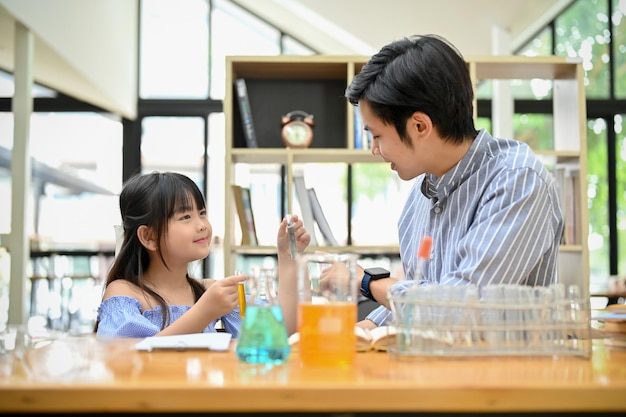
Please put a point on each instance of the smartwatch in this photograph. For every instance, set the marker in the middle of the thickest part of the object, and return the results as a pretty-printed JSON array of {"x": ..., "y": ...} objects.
[{"x": 372, "y": 274}]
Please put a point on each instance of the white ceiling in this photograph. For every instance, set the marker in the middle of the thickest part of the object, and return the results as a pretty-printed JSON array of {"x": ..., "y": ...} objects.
[
  {"x": 363, "y": 26},
  {"x": 66, "y": 31}
]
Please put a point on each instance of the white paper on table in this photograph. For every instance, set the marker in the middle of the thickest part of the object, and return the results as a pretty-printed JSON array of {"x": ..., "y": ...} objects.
[{"x": 211, "y": 341}]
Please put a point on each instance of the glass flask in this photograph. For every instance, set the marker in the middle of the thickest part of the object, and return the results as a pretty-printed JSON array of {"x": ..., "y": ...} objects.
[{"x": 263, "y": 336}]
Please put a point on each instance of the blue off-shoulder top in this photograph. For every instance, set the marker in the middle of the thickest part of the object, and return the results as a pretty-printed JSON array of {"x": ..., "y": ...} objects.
[{"x": 121, "y": 316}]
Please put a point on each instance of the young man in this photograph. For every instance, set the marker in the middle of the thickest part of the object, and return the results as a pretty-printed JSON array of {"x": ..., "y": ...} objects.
[{"x": 489, "y": 204}]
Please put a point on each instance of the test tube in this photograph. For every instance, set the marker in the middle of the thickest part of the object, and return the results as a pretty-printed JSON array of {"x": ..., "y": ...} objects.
[
  {"x": 242, "y": 299},
  {"x": 241, "y": 292},
  {"x": 471, "y": 301},
  {"x": 512, "y": 315},
  {"x": 291, "y": 230},
  {"x": 493, "y": 316}
]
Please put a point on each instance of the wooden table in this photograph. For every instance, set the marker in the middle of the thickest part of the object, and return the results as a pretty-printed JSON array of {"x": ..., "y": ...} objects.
[{"x": 117, "y": 378}]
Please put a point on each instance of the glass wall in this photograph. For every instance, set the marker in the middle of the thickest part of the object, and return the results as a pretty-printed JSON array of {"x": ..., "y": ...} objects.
[
  {"x": 166, "y": 69},
  {"x": 77, "y": 163},
  {"x": 182, "y": 127},
  {"x": 594, "y": 30},
  {"x": 620, "y": 186},
  {"x": 598, "y": 198}
]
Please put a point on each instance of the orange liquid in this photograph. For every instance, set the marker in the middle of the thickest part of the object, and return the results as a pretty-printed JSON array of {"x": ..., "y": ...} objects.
[
  {"x": 327, "y": 334},
  {"x": 241, "y": 291}
]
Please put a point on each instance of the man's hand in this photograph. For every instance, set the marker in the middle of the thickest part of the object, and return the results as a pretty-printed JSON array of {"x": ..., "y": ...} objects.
[{"x": 337, "y": 274}]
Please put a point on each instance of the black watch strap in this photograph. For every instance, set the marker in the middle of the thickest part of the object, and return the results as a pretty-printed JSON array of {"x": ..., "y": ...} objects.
[
  {"x": 369, "y": 275},
  {"x": 365, "y": 287}
]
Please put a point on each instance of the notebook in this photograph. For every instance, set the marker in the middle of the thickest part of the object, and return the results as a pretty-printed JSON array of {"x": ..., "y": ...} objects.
[{"x": 219, "y": 341}]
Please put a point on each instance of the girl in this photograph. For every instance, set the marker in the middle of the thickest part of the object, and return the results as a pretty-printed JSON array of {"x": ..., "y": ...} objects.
[{"x": 148, "y": 291}]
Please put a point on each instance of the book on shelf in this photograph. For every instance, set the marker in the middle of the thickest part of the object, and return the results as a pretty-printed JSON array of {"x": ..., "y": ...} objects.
[
  {"x": 320, "y": 218},
  {"x": 305, "y": 205},
  {"x": 362, "y": 137},
  {"x": 567, "y": 176},
  {"x": 376, "y": 339},
  {"x": 243, "y": 204},
  {"x": 358, "y": 130},
  {"x": 246, "y": 113}
]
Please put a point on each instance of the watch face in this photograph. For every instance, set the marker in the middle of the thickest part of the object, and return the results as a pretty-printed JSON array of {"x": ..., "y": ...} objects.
[
  {"x": 296, "y": 133},
  {"x": 377, "y": 272}
]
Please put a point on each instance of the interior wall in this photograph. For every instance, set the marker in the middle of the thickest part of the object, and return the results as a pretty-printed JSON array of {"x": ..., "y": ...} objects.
[{"x": 84, "y": 49}]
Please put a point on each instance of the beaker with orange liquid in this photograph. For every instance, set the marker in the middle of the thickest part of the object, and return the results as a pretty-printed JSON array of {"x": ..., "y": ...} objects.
[{"x": 327, "y": 309}]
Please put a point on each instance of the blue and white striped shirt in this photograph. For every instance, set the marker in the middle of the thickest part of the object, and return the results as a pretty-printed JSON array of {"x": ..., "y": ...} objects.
[{"x": 494, "y": 218}]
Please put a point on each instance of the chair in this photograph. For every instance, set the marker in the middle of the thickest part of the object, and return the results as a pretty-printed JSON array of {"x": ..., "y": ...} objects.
[{"x": 364, "y": 307}]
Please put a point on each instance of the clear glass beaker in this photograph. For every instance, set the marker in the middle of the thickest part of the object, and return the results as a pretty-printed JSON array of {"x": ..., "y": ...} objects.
[{"x": 263, "y": 337}]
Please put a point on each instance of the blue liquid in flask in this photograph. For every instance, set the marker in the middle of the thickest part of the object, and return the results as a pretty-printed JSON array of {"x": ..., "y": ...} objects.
[{"x": 263, "y": 337}]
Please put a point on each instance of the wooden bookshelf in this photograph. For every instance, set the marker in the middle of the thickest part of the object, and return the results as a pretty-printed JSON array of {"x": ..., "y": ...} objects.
[{"x": 279, "y": 84}]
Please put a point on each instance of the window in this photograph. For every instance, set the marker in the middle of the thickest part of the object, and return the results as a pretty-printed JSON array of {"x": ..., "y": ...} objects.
[
  {"x": 597, "y": 192},
  {"x": 578, "y": 35},
  {"x": 618, "y": 21},
  {"x": 182, "y": 51},
  {"x": 234, "y": 31},
  {"x": 167, "y": 69},
  {"x": 620, "y": 185},
  {"x": 76, "y": 173}
]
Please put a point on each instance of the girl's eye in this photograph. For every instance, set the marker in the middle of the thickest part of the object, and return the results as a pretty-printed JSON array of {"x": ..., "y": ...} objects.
[{"x": 203, "y": 213}]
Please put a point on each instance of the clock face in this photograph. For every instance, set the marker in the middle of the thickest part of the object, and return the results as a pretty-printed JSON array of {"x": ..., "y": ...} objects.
[{"x": 297, "y": 133}]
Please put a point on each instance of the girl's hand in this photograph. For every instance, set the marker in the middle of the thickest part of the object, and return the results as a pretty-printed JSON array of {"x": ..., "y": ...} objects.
[
  {"x": 222, "y": 296},
  {"x": 303, "y": 238}
]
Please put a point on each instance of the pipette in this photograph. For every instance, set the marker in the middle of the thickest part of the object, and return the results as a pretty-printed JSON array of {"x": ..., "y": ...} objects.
[{"x": 291, "y": 230}]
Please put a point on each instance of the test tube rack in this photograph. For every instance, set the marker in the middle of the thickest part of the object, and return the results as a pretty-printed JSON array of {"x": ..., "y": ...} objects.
[{"x": 495, "y": 320}]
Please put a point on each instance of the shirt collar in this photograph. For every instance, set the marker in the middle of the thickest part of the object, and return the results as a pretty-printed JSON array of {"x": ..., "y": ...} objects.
[{"x": 439, "y": 188}]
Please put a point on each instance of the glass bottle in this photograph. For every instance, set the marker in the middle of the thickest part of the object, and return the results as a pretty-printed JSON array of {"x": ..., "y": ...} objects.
[{"x": 263, "y": 336}]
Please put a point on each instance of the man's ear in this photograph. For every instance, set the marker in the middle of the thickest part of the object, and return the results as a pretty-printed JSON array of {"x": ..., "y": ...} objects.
[
  {"x": 421, "y": 124},
  {"x": 147, "y": 238}
]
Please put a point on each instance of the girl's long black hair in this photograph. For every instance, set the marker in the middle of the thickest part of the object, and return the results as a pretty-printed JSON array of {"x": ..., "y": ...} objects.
[{"x": 151, "y": 200}]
